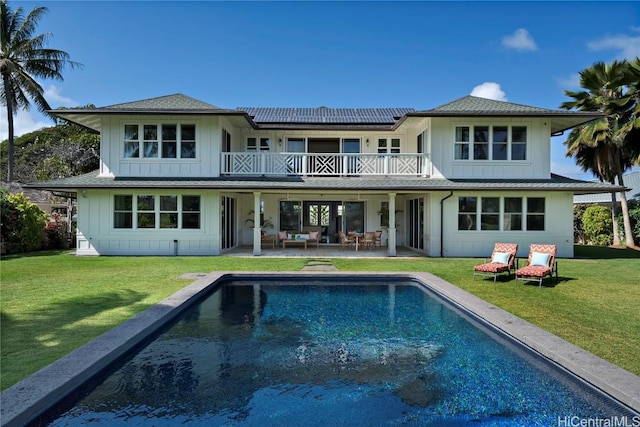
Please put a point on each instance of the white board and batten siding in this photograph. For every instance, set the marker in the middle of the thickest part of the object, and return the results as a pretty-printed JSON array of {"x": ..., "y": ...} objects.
[
  {"x": 101, "y": 238},
  {"x": 558, "y": 228},
  {"x": 205, "y": 164},
  {"x": 536, "y": 165}
]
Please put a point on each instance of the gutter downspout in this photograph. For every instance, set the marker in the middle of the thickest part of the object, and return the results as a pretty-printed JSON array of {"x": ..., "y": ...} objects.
[{"x": 442, "y": 224}]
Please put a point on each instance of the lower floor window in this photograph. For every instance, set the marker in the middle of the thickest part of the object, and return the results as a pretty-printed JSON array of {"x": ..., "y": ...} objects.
[
  {"x": 148, "y": 211},
  {"x": 501, "y": 213}
]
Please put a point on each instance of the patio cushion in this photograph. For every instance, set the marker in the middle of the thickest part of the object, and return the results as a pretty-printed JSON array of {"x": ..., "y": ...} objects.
[
  {"x": 282, "y": 235},
  {"x": 540, "y": 259},
  {"x": 500, "y": 257},
  {"x": 533, "y": 271},
  {"x": 492, "y": 267},
  {"x": 313, "y": 235}
]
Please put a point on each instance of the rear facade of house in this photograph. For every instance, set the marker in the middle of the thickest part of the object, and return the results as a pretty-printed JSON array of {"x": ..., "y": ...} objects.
[{"x": 179, "y": 176}]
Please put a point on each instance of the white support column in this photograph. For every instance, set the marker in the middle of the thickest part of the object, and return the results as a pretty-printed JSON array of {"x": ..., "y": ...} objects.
[
  {"x": 391, "y": 231},
  {"x": 257, "y": 226},
  {"x": 426, "y": 239}
]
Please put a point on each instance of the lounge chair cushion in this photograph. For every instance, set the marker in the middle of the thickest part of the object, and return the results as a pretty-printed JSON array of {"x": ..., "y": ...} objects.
[
  {"x": 540, "y": 259},
  {"x": 533, "y": 271},
  {"x": 500, "y": 257},
  {"x": 492, "y": 267},
  {"x": 313, "y": 235}
]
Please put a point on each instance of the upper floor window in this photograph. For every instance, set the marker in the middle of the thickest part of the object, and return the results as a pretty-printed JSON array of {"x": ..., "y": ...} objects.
[
  {"x": 168, "y": 141},
  {"x": 490, "y": 143},
  {"x": 388, "y": 145},
  {"x": 152, "y": 211},
  {"x": 296, "y": 145},
  {"x": 258, "y": 144}
]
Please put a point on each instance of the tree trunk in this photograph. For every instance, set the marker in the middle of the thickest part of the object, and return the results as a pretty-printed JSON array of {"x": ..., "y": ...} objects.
[
  {"x": 10, "y": 145},
  {"x": 628, "y": 234},
  {"x": 614, "y": 222}
]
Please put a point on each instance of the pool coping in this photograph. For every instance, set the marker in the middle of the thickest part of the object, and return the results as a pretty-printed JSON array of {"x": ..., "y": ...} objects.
[{"x": 38, "y": 392}]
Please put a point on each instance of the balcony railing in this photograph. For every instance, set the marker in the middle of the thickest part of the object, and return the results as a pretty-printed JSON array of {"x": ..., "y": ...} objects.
[{"x": 325, "y": 164}]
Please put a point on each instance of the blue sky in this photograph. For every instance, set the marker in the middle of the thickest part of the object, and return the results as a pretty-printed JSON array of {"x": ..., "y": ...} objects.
[{"x": 336, "y": 54}]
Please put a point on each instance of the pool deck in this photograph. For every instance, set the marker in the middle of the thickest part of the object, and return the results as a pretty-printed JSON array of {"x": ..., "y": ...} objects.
[{"x": 30, "y": 397}]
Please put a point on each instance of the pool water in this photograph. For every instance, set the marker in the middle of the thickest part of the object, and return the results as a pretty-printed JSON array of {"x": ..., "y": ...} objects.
[{"x": 328, "y": 353}]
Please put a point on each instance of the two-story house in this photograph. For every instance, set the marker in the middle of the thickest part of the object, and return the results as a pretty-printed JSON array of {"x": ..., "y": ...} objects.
[{"x": 182, "y": 177}]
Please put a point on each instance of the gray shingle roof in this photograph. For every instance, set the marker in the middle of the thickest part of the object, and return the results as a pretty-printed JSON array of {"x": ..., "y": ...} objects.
[
  {"x": 325, "y": 118},
  {"x": 177, "y": 101},
  {"x": 326, "y": 115},
  {"x": 631, "y": 181},
  {"x": 476, "y": 104},
  {"x": 473, "y": 106},
  {"x": 555, "y": 183}
]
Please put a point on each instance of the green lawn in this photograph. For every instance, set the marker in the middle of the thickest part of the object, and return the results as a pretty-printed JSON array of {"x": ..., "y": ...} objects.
[{"x": 52, "y": 302}]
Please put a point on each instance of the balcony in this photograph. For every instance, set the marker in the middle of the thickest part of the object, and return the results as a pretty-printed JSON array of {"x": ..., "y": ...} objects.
[{"x": 325, "y": 164}]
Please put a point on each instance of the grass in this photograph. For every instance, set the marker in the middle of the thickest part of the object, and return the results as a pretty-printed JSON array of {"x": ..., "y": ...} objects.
[{"x": 52, "y": 303}]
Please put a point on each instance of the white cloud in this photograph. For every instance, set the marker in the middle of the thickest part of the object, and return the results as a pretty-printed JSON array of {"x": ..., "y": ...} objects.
[
  {"x": 569, "y": 83},
  {"x": 628, "y": 47},
  {"x": 29, "y": 121},
  {"x": 23, "y": 122},
  {"x": 521, "y": 41},
  {"x": 53, "y": 97},
  {"x": 489, "y": 90}
]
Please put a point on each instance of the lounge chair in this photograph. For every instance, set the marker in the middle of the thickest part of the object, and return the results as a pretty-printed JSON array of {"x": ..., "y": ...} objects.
[
  {"x": 502, "y": 261},
  {"x": 540, "y": 264}
]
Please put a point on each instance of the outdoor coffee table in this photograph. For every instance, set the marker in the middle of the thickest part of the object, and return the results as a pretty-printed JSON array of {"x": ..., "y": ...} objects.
[{"x": 285, "y": 241}]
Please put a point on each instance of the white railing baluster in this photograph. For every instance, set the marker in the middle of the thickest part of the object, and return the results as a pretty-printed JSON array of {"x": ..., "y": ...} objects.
[{"x": 327, "y": 164}]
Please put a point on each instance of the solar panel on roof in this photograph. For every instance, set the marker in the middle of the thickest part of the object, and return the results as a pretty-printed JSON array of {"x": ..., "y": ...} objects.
[{"x": 325, "y": 115}]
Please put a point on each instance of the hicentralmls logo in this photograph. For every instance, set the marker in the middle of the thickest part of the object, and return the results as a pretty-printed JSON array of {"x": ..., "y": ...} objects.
[{"x": 575, "y": 421}]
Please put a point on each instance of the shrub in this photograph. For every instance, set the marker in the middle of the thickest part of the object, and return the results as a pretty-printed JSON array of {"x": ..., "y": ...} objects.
[
  {"x": 21, "y": 224},
  {"x": 634, "y": 217},
  {"x": 596, "y": 223},
  {"x": 56, "y": 236}
]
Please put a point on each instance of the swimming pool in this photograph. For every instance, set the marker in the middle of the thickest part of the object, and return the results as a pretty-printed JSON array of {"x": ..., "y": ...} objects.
[{"x": 345, "y": 351}]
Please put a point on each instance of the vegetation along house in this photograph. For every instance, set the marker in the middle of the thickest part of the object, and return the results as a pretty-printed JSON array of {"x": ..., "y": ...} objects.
[{"x": 182, "y": 177}]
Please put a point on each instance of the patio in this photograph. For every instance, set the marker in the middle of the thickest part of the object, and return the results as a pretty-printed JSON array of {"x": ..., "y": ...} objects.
[{"x": 323, "y": 251}]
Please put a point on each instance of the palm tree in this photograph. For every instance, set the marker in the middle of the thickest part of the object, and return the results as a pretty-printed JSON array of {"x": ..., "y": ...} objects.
[
  {"x": 23, "y": 58},
  {"x": 602, "y": 146},
  {"x": 632, "y": 127}
]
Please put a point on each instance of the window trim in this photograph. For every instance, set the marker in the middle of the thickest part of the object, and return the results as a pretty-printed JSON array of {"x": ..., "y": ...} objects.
[
  {"x": 257, "y": 146},
  {"x": 157, "y": 211},
  {"x": 142, "y": 142},
  {"x": 476, "y": 217},
  {"x": 389, "y": 145},
  {"x": 471, "y": 144}
]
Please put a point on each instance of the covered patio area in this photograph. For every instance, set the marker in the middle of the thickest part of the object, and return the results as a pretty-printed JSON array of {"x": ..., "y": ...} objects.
[{"x": 323, "y": 251}]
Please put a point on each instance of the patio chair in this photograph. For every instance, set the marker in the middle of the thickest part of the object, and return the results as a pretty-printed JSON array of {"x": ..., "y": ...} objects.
[
  {"x": 368, "y": 240},
  {"x": 346, "y": 241},
  {"x": 378, "y": 239},
  {"x": 540, "y": 264},
  {"x": 502, "y": 261}
]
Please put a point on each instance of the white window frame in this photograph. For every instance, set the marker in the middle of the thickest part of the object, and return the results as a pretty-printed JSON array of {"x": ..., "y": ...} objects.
[
  {"x": 471, "y": 143},
  {"x": 389, "y": 145},
  {"x": 142, "y": 142},
  {"x": 156, "y": 211},
  {"x": 258, "y": 144},
  {"x": 502, "y": 215}
]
